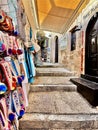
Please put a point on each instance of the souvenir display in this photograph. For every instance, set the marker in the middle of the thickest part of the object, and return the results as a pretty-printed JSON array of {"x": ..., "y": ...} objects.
[
  {"x": 5, "y": 22},
  {"x": 16, "y": 73}
]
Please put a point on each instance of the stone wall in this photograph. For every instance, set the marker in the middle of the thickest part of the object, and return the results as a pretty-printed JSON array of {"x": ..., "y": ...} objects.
[
  {"x": 72, "y": 60},
  {"x": 75, "y": 60}
]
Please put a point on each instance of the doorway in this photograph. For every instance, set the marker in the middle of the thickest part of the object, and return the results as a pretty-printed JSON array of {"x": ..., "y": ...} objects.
[
  {"x": 91, "y": 48},
  {"x": 56, "y": 49}
]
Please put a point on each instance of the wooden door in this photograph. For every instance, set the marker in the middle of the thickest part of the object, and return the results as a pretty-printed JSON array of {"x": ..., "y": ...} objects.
[{"x": 91, "y": 63}]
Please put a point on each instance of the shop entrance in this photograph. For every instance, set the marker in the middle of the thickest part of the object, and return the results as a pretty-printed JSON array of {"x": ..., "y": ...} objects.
[{"x": 91, "y": 50}]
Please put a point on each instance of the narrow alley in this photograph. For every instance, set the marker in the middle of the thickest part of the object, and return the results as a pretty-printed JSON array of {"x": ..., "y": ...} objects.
[{"x": 48, "y": 64}]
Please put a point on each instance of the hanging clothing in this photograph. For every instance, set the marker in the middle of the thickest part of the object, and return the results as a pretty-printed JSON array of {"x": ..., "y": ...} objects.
[{"x": 29, "y": 64}]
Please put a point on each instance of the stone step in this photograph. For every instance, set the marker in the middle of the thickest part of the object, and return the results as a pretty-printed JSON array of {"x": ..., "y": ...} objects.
[
  {"x": 59, "y": 110},
  {"x": 49, "y": 87},
  {"x": 54, "y": 72},
  {"x": 33, "y": 121},
  {"x": 58, "y": 80},
  {"x": 50, "y": 65},
  {"x": 58, "y": 103},
  {"x": 51, "y": 83}
]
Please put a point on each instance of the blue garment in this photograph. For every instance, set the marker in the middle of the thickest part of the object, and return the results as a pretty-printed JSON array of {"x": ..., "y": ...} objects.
[
  {"x": 30, "y": 33},
  {"x": 31, "y": 48},
  {"x": 30, "y": 68}
]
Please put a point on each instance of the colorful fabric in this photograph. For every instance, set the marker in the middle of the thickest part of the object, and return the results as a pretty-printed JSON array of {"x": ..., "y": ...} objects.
[
  {"x": 25, "y": 84},
  {"x": 21, "y": 97},
  {"x": 11, "y": 114},
  {"x": 16, "y": 104},
  {"x": 4, "y": 114},
  {"x": 7, "y": 75},
  {"x": 3, "y": 122}
]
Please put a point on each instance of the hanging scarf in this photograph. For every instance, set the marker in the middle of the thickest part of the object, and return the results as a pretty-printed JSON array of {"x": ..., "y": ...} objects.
[{"x": 30, "y": 68}]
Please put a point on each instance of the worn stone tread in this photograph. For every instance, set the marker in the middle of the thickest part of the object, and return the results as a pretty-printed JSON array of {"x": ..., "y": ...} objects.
[
  {"x": 53, "y": 80},
  {"x": 58, "y": 103},
  {"x": 50, "y": 83},
  {"x": 47, "y": 121},
  {"x": 54, "y": 72},
  {"x": 49, "y": 88}
]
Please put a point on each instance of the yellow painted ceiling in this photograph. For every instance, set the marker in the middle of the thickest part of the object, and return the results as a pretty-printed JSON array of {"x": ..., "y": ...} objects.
[{"x": 54, "y": 15}]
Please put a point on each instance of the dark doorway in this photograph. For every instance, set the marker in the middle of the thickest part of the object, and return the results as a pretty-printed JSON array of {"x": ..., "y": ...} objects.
[
  {"x": 56, "y": 49},
  {"x": 91, "y": 50}
]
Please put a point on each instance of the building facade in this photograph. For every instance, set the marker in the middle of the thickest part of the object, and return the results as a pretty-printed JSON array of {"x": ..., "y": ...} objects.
[{"x": 80, "y": 53}]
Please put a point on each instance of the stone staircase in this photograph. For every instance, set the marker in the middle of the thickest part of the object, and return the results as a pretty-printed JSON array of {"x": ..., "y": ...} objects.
[
  {"x": 55, "y": 104},
  {"x": 54, "y": 71}
]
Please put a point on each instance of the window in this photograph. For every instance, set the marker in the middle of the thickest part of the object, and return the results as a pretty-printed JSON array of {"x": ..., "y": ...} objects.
[{"x": 73, "y": 40}]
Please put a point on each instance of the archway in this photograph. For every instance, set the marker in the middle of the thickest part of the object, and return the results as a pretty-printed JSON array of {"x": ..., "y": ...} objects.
[{"x": 91, "y": 48}]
